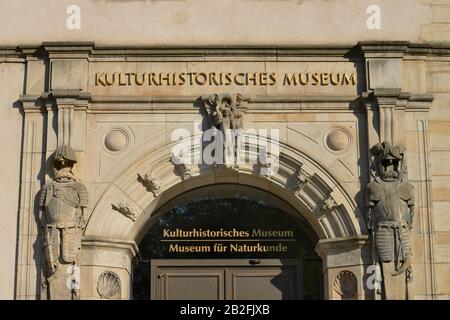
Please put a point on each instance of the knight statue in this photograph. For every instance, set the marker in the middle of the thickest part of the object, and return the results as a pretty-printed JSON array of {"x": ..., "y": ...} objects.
[
  {"x": 61, "y": 215},
  {"x": 390, "y": 213}
]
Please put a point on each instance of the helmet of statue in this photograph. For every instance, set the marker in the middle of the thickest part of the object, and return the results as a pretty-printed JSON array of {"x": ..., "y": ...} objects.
[{"x": 64, "y": 154}]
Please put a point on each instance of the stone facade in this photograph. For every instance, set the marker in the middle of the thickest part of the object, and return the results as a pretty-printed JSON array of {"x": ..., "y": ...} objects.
[{"x": 117, "y": 106}]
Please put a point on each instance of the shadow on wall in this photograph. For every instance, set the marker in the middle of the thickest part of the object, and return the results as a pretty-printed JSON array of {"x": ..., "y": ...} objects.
[{"x": 303, "y": 281}]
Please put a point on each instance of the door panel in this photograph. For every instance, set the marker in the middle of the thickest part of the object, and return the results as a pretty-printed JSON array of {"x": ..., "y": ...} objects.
[
  {"x": 191, "y": 284},
  {"x": 263, "y": 284},
  {"x": 212, "y": 279}
]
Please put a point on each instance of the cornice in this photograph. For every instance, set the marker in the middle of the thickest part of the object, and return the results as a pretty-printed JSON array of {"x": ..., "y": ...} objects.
[
  {"x": 111, "y": 243},
  {"x": 87, "y": 50},
  {"x": 398, "y": 99},
  {"x": 57, "y": 97}
]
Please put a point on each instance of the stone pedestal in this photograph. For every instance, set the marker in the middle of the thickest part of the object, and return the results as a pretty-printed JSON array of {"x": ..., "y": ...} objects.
[
  {"x": 345, "y": 262},
  {"x": 106, "y": 271}
]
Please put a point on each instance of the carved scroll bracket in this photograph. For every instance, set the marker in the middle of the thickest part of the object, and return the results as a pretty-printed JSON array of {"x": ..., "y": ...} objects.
[{"x": 124, "y": 208}]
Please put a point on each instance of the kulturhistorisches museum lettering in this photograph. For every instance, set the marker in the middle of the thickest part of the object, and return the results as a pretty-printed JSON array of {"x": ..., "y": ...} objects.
[
  {"x": 200, "y": 233},
  {"x": 224, "y": 78},
  {"x": 189, "y": 78},
  {"x": 227, "y": 241}
]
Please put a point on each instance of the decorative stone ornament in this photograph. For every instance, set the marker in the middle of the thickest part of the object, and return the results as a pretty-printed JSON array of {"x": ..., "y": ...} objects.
[
  {"x": 345, "y": 285},
  {"x": 390, "y": 213},
  {"x": 225, "y": 114},
  {"x": 182, "y": 162},
  {"x": 302, "y": 180},
  {"x": 329, "y": 204},
  {"x": 108, "y": 285},
  {"x": 326, "y": 206},
  {"x": 125, "y": 209},
  {"x": 150, "y": 182},
  {"x": 266, "y": 164},
  {"x": 116, "y": 139},
  {"x": 61, "y": 215},
  {"x": 338, "y": 139}
]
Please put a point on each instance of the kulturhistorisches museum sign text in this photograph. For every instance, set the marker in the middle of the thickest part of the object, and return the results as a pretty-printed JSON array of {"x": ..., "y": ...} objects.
[{"x": 198, "y": 78}]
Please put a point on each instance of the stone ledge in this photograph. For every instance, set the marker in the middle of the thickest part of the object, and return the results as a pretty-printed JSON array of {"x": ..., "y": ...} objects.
[
  {"x": 67, "y": 49},
  {"x": 112, "y": 243}
]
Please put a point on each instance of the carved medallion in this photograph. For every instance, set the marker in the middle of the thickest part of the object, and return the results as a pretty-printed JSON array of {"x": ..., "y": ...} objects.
[
  {"x": 338, "y": 139},
  {"x": 116, "y": 139}
]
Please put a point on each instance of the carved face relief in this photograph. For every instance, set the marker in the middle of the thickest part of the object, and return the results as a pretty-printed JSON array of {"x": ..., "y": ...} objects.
[
  {"x": 389, "y": 161},
  {"x": 390, "y": 169},
  {"x": 62, "y": 169}
]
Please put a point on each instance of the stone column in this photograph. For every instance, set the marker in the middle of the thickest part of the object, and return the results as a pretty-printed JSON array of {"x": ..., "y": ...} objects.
[
  {"x": 34, "y": 157},
  {"x": 419, "y": 173},
  {"x": 37, "y": 145},
  {"x": 345, "y": 262},
  {"x": 106, "y": 271},
  {"x": 384, "y": 79},
  {"x": 53, "y": 105},
  {"x": 402, "y": 118},
  {"x": 68, "y": 82}
]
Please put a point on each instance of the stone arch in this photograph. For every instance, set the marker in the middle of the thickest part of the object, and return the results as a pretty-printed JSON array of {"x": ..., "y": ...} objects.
[{"x": 321, "y": 199}]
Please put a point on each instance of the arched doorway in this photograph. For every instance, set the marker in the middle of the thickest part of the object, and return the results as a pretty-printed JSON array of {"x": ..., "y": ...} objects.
[
  {"x": 112, "y": 235},
  {"x": 227, "y": 241}
]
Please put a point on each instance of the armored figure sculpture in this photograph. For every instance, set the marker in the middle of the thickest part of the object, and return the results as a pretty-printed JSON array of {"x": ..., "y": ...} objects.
[
  {"x": 61, "y": 215},
  {"x": 390, "y": 201},
  {"x": 224, "y": 114}
]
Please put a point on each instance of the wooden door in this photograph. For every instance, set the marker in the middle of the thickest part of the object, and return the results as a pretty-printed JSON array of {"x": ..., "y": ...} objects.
[{"x": 230, "y": 279}]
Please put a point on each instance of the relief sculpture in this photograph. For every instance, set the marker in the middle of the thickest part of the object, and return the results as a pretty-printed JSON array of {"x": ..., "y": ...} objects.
[{"x": 225, "y": 114}]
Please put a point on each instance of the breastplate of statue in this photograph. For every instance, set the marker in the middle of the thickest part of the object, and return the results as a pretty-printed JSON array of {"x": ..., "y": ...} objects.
[
  {"x": 61, "y": 214},
  {"x": 390, "y": 200}
]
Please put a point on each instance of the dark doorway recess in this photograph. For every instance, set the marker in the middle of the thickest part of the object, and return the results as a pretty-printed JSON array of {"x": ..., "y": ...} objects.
[{"x": 177, "y": 265}]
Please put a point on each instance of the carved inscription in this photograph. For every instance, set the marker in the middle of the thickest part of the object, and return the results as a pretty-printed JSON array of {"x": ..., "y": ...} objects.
[{"x": 157, "y": 79}]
